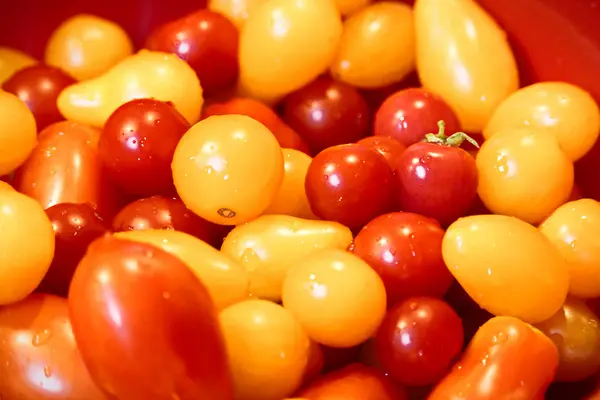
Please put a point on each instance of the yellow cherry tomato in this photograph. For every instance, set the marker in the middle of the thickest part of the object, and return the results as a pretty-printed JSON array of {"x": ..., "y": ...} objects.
[
  {"x": 228, "y": 169},
  {"x": 26, "y": 245},
  {"x": 507, "y": 266},
  {"x": 377, "y": 46},
  {"x": 11, "y": 61},
  {"x": 291, "y": 198},
  {"x": 337, "y": 297},
  {"x": 18, "y": 133},
  {"x": 565, "y": 111},
  {"x": 524, "y": 174},
  {"x": 347, "y": 7},
  {"x": 269, "y": 245},
  {"x": 236, "y": 10},
  {"x": 226, "y": 280},
  {"x": 147, "y": 74},
  {"x": 464, "y": 56},
  {"x": 86, "y": 46},
  {"x": 574, "y": 229},
  {"x": 268, "y": 350},
  {"x": 5, "y": 186},
  {"x": 285, "y": 45}
]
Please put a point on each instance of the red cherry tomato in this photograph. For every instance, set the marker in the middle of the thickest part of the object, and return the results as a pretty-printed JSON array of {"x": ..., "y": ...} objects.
[
  {"x": 438, "y": 180},
  {"x": 418, "y": 340},
  {"x": 410, "y": 114},
  {"x": 350, "y": 184},
  {"x": 208, "y": 41},
  {"x": 145, "y": 325},
  {"x": 327, "y": 113},
  {"x": 137, "y": 145},
  {"x": 405, "y": 249},
  {"x": 390, "y": 148},
  {"x": 75, "y": 227}
]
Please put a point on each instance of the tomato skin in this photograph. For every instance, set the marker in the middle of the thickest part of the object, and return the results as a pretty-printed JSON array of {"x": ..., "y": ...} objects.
[
  {"x": 388, "y": 147},
  {"x": 436, "y": 181},
  {"x": 144, "y": 305}
]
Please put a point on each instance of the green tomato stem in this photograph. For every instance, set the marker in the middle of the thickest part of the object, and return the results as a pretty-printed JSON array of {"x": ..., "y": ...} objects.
[{"x": 454, "y": 140}]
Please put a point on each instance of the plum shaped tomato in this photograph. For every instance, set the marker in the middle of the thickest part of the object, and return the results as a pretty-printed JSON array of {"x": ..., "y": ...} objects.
[
  {"x": 145, "y": 325},
  {"x": 437, "y": 178},
  {"x": 488, "y": 368}
]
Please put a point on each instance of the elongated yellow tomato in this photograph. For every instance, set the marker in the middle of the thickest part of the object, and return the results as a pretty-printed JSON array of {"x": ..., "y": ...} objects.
[
  {"x": 285, "y": 44},
  {"x": 147, "y": 74},
  {"x": 236, "y": 10},
  {"x": 11, "y": 61},
  {"x": 18, "y": 133},
  {"x": 377, "y": 46},
  {"x": 337, "y": 297},
  {"x": 291, "y": 198},
  {"x": 226, "y": 280},
  {"x": 507, "y": 266},
  {"x": 264, "y": 341},
  {"x": 574, "y": 229},
  {"x": 565, "y": 111},
  {"x": 86, "y": 46},
  {"x": 269, "y": 245},
  {"x": 347, "y": 7},
  {"x": 464, "y": 56},
  {"x": 524, "y": 174},
  {"x": 228, "y": 169},
  {"x": 26, "y": 245}
]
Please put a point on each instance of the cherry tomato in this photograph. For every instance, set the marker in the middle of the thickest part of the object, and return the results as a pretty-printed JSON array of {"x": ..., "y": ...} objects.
[
  {"x": 137, "y": 145},
  {"x": 436, "y": 178},
  {"x": 86, "y": 46},
  {"x": 75, "y": 227},
  {"x": 348, "y": 7},
  {"x": 315, "y": 363},
  {"x": 208, "y": 41},
  {"x": 418, "y": 340},
  {"x": 523, "y": 173},
  {"x": 405, "y": 249},
  {"x": 327, "y": 113},
  {"x": 507, "y": 266},
  {"x": 339, "y": 357},
  {"x": 338, "y": 299},
  {"x": 236, "y": 10},
  {"x": 464, "y": 56},
  {"x": 390, "y": 148},
  {"x": 574, "y": 230},
  {"x": 264, "y": 340},
  {"x": 350, "y": 184},
  {"x": 40, "y": 359},
  {"x": 409, "y": 114},
  {"x": 507, "y": 359},
  {"x": 38, "y": 86},
  {"x": 11, "y": 61},
  {"x": 144, "y": 305},
  {"x": 562, "y": 110},
  {"x": 17, "y": 132},
  {"x": 471, "y": 314},
  {"x": 228, "y": 169}
]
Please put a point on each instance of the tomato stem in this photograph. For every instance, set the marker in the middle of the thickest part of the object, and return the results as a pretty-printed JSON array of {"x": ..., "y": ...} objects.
[{"x": 454, "y": 140}]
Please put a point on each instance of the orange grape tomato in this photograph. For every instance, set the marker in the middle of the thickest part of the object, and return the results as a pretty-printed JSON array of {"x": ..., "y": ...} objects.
[
  {"x": 565, "y": 111},
  {"x": 6, "y": 186},
  {"x": 507, "y": 359},
  {"x": 523, "y": 173},
  {"x": 383, "y": 32},
  {"x": 285, "y": 45},
  {"x": 264, "y": 341},
  {"x": 146, "y": 74},
  {"x": 463, "y": 55},
  {"x": 337, "y": 297},
  {"x": 574, "y": 229},
  {"x": 26, "y": 245},
  {"x": 507, "y": 266},
  {"x": 11, "y": 61},
  {"x": 18, "y": 133},
  {"x": 291, "y": 198},
  {"x": 575, "y": 332},
  {"x": 85, "y": 46},
  {"x": 228, "y": 169},
  {"x": 269, "y": 245},
  {"x": 236, "y": 10},
  {"x": 225, "y": 279},
  {"x": 347, "y": 7}
]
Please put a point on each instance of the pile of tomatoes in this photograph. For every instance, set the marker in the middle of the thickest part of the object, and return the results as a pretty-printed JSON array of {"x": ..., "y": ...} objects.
[{"x": 283, "y": 199}]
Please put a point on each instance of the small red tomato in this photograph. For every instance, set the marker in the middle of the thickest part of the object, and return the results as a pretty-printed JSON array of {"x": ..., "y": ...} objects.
[
  {"x": 405, "y": 249},
  {"x": 390, "y": 148},
  {"x": 410, "y": 114},
  {"x": 137, "y": 145},
  {"x": 418, "y": 340},
  {"x": 436, "y": 178},
  {"x": 350, "y": 184}
]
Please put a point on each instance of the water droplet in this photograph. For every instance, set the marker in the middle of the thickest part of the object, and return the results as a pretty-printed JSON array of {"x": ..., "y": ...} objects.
[
  {"x": 47, "y": 371},
  {"x": 41, "y": 337}
]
